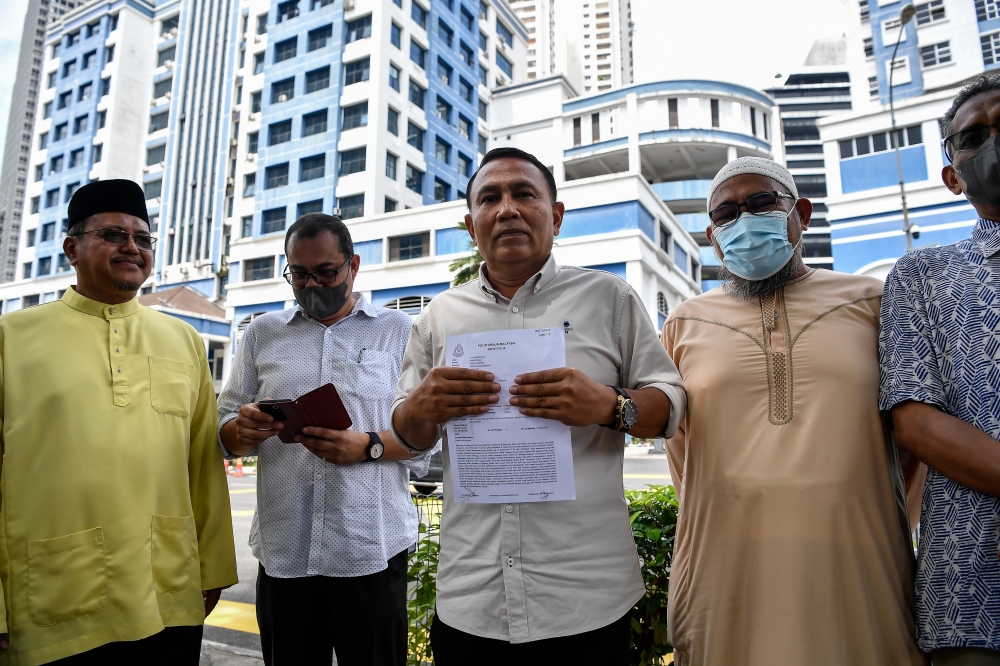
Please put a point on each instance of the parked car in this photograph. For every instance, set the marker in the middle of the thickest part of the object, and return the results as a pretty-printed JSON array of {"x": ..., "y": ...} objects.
[{"x": 434, "y": 478}]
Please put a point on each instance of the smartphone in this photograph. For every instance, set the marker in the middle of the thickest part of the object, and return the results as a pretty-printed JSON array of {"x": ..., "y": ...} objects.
[{"x": 273, "y": 408}]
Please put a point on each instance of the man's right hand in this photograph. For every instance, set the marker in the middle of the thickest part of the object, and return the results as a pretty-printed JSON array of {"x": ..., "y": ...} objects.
[
  {"x": 444, "y": 394},
  {"x": 250, "y": 427}
]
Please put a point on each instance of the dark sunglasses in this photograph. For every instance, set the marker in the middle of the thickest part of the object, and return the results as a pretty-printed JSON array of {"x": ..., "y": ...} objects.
[
  {"x": 119, "y": 238},
  {"x": 323, "y": 277},
  {"x": 758, "y": 204},
  {"x": 968, "y": 139}
]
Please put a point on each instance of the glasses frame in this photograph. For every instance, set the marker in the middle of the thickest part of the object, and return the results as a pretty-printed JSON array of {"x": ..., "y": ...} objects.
[
  {"x": 101, "y": 232},
  {"x": 949, "y": 140},
  {"x": 778, "y": 196},
  {"x": 287, "y": 274}
]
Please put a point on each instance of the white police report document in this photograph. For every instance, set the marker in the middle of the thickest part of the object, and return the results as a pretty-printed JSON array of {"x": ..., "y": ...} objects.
[{"x": 503, "y": 456}]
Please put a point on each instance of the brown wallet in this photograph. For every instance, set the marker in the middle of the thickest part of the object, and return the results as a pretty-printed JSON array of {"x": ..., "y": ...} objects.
[{"x": 320, "y": 408}]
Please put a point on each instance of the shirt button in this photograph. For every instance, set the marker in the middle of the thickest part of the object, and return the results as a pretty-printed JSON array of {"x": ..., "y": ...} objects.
[
  {"x": 119, "y": 369},
  {"x": 514, "y": 309},
  {"x": 118, "y": 349},
  {"x": 510, "y": 561},
  {"x": 508, "y": 509},
  {"x": 116, "y": 330},
  {"x": 111, "y": 310}
]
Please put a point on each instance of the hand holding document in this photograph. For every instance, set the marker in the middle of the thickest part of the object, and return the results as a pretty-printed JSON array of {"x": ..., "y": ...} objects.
[{"x": 503, "y": 456}]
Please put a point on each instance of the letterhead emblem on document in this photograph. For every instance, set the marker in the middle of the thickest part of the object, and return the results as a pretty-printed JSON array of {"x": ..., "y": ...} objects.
[{"x": 459, "y": 352}]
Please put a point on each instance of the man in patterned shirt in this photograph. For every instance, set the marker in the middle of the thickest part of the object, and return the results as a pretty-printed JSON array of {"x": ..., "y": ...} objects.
[
  {"x": 334, "y": 517},
  {"x": 940, "y": 355}
]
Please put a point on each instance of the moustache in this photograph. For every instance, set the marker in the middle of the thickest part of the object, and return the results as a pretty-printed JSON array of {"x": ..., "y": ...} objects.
[{"x": 138, "y": 262}]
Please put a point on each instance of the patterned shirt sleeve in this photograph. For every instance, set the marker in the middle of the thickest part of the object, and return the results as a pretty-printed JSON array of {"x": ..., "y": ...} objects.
[
  {"x": 242, "y": 387},
  {"x": 907, "y": 358}
]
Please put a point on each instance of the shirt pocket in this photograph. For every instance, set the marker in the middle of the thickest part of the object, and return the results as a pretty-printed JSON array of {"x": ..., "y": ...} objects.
[
  {"x": 373, "y": 376},
  {"x": 170, "y": 386},
  {"x": 173, "y": 552},
  {"x": 67, "y": 577}
]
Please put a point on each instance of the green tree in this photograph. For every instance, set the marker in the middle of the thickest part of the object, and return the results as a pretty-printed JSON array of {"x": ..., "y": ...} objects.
[{"x": 466, "y": 268}]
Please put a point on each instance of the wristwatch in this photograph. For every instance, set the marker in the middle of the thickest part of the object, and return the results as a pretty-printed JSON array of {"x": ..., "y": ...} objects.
[
  {"x": 626, "y": 412},
  {"x": 375, "y": 448}
]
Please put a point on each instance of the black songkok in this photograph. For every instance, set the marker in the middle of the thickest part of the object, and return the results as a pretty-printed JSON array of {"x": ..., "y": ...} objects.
[{"x": 108, "y": 196}]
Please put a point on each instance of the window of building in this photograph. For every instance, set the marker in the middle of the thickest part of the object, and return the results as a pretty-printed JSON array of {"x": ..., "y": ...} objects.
[
  {"x": 506, "y": 36},
  {"x": 258, "y": 63},
  {"x": 69, "y": 68},
  {"x": 282, "y": 91},
  {"x": 86, "y": 92},
  {"x": 355, "y": 115},
  {"x": 715, "y": 112},
  {"x": 249, "y": 184},
  {"x": 165, "y": 56},
  {"x": 39, "y": 172},
  {"x": 414, "y": 246},
  {"x": 47, "y": 110},
  {"x": 314, "y": 123},
  {"x": 505, "y": 65},
  {"x": 577, "y": 131},
  {"x": 359, "y": 29},
  {"x": 595, "y": 127},
  {"x": 35, "y": 204},
  {"x": 357, "y": 71},
  {"x": 252, "y": 140},
  {"x": 311, "y": 168},
  {"x": 51, "y": 198},
  {"x": 246, "y": 228},
  {"x": 987, "y": 9},
  {"x": 442, "y": 191},
  {"x": 394, "y": 77},
  {"x": 414, "y": 179},
  {"x": 467, "y": 54},
  {"x": 161, "y": 88},
  {"x": 318, "y": 79},
  {"x": 158, "y": 121},
  {"x": 65, "y": 99},
  {"x": 29, "y": 301},
  {"x": 309, "y": 207},
  {"x": 873, "y": 87},
  {"x": 48, "y": 232},
  {"x": 418, "y": 14},
  {"x": 279, "y": 132},
  {"x": 415, "y": 136},
  {"x": 464, "y": 126},
  {"x": 396, "y": 36},
  {"x": 315, "y": 4},
  {"x": 465, "y": 90},
  {"x": 276, "y": 176},
  {"x": 483, "y": 75},
  {"x": 63, "y": 264},
  {"x": 352, "y": 207},
  {"x": 80, "y": 124},
  {"x": 929, "y": 12},
  {"x": 990, "y": 43},
  {"x": 287, "y": 10},
  {"x": 869, "y": 47},
  {"x": 98, "y": 152},
  {"x": 418, "y": 54},
  {"x": 443, "y": 110},
  {"x": 273, "y": 220},
  {"x": 483, "y": 41},
  {"x": 26, "y": 274},
  {"x": 88, "y": 60},
  {"x": 393, "y": 124},
  {"x": 417, "y": 94},
  {"x": 109, "y": 54},
  {"x": 935, "y": 54},
  {"x": 76, "y": 158},
  {"x": 169, "y": 24},
  {"x": 442, "y": 150},
  {"x": 353, "y": 161},
  {"x": 391, "y": 162},
  {"x": 446, "y": 34},
  {"x": 60, "y": 132},
  {"x": 482, "y": 144},
  {"x": 262, "y": 24},
  {"x": 319, "y": 38},
  {"x": 468, "y": 20},
  {"x": 444, "y": 72},
  {"x": 880, "y": 142},
  {"x": 464, "y": 165},
  {"x": 389, "y": 206},
  {"x": 44, "y": 266},
  {"x": 263, "y": 268},
  {"x": 105, "y": 86},
  {"x": 153, "y": 188},
  {"x": 286, "y": 50},
  {"x": 255, "y": 102}
]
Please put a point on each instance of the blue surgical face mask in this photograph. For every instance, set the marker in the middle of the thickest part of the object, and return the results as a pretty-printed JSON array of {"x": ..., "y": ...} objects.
[{"x": 755, "y": 247}]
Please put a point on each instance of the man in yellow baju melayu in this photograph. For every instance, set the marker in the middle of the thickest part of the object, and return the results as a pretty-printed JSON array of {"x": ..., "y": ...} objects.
[{"x": 116, "y": 534}]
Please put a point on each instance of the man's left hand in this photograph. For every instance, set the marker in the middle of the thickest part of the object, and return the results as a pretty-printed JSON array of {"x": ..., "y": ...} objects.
[
  {"x": 566, "y": 395},
  {"x": 211, "y": 599},
  {"x": 341, "y": 447}
]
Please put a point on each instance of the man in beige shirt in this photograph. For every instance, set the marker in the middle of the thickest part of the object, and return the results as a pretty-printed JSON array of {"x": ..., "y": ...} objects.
[
  {"x": 541, "y": 582},
  {"x": 792, "y": 541}
]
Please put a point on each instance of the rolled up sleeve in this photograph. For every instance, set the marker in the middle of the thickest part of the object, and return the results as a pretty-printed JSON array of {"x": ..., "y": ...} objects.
[
  {"x": 418, "y": 359},
  {"x": 241, "y": 389}
]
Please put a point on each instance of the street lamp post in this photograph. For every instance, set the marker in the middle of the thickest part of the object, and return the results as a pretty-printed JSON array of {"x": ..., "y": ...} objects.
[{"x": 904, "y": 17}]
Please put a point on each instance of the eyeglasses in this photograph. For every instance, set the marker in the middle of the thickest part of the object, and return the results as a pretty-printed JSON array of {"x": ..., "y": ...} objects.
[
  {"x": 119, "y": 238},
  {"x": 323, "y": 277},
  {"x": 968, "y": 139},
  {"x": 758, "y": 204}
]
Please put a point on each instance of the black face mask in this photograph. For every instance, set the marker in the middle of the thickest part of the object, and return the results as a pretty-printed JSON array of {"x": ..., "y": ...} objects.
[
  {"x": 321, "y": 302},
  {"x": 981, "y": 173}
]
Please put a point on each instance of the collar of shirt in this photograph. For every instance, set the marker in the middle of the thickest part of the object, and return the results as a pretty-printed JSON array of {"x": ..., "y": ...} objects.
[
  {"x": 89, "y": 306},
  {"x": 986, "y": 236},
  {"x": 360, "y": 305},
  {"x": 535, "y": 283}
]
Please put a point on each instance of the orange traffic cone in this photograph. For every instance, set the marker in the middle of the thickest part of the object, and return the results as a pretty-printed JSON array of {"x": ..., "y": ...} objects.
[{"x": 239, "y": 467}]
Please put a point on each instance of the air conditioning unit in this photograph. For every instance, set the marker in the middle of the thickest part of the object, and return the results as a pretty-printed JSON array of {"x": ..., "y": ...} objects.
[
  {"x": 230, "y": 182},
  {"x": 251, "y": 116},
  {"x": 348, "y": 5},
  {"x": 245, "y": 35},
  {"x": 336, "y": 211},
  {"x": 257, "y": 39},
  {"x": 251, "y": 157},
  {"x": 168, "y": 64},
  {"x": 282, "y": 98},
  {"x": 169, "y": 94},
  {"x": 173, "y": 31},
  {"x": 145, "y": 169},
  {"x": 234, "y": 142},
  {"x": 183, "y": 270}
]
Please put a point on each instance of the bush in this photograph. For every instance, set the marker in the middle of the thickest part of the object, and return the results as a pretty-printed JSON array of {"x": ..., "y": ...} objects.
[{"x": 653, "y": 514}]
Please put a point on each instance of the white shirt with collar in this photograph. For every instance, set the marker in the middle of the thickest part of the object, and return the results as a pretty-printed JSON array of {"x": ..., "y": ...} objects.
[
  {"x": 315, "y": 518},
  {"x": 526, "y": 572}
]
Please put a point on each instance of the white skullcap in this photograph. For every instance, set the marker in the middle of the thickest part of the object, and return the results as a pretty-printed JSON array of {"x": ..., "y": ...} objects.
[{"x": 758, "y": 165}]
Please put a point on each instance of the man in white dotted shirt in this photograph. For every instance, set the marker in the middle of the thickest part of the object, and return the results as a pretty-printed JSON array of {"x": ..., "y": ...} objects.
[{"x": 334, "y": 517}]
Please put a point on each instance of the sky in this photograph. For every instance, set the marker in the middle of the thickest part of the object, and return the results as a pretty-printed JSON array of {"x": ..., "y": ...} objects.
[{"x": 740, "y": 41}]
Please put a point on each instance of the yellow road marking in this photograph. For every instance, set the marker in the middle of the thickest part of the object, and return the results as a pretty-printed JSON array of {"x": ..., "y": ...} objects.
[
  {"x": 240, "y": 514},
  {"x": 647, "y": 476},
  {"x": 242, "y": 491},
  {"x": 234, "y": 615}
]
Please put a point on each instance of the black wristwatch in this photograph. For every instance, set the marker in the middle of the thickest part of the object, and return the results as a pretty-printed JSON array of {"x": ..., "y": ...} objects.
[
  {"x": 626, "y": 412},
  {"x": 375, "y": 448}
]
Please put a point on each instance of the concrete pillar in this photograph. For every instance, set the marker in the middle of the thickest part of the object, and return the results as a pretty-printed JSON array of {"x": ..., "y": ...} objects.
[
  {"x": 730, "y": 153},
  {"x": 559, "y": 160},
  {"x": 632, "y": 115}
]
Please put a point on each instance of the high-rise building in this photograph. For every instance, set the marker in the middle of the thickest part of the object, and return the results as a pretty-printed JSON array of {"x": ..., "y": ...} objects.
[
  {"x": 539, "y": 20},
  {"x": 946, "y": 44},
  {"x": 594, "y": 39},
  {"x": 20, "y": 126},
  {"x": 820, "y": 88}
]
